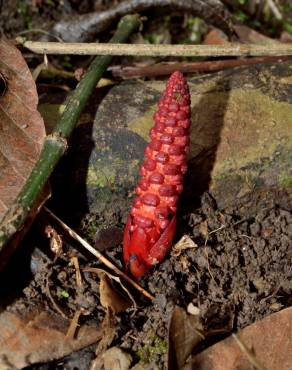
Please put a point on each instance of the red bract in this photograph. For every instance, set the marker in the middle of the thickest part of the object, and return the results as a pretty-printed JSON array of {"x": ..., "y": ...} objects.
[{"x": 151, "y": 224}]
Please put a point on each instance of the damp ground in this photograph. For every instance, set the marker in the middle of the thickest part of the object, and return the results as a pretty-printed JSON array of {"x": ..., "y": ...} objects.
[{"x": 233, "y": 268}]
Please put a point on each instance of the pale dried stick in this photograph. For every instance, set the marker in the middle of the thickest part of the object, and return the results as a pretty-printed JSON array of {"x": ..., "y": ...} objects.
[
  {"x": 97, "y": 254},
  {"x": 75, "y": 48}
]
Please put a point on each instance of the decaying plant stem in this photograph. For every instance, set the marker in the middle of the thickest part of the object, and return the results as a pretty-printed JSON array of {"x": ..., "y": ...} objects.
[
  {"x": 163, "y": 69},
  {"x": 75, "y": 48},
  {"x": 56, "y": 143}
]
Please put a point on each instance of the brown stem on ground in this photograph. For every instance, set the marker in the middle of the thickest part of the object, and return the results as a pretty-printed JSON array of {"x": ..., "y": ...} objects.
[{"x": 162, "y": 69}]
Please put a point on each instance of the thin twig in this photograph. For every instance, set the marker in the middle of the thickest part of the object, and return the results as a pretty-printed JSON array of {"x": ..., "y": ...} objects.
[
  {"x": 74, "y": 48},
  {"x": 55, "y": 305},
  {"x": 71, "y": 332},
  {"x": 97, "y": 254},
  {"x": 39, "y": 30},
  {"x": 251, "y": 358},
  {"x": 215, "y": 231},
  {"x": 75, "y": 262},
  {"x": 163, "y": 69}
]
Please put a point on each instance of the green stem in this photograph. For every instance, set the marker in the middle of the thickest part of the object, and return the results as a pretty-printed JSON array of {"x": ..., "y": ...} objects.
[{"x": 56, "y": 143}]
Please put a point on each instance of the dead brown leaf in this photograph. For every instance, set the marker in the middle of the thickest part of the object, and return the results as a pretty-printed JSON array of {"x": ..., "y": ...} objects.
[
  {"x": 108, "y": 330},
  {"x": 38, "y": 337},
  {"x": 113, "y": 301},
  {"x": 216, "y": 37},
  {"x": 116, "y": 359},
  {"x": 250, "y": 36},
  {"x": 244, "y": 33},
  {"x": 22, "y": 128},
  {"x": 185, "y": 333},
  {"x": 264, "y": 345},
  {"x": 110, "y": 297}
]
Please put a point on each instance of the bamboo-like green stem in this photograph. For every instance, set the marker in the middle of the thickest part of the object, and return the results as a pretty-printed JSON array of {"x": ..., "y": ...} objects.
[{"x": 56, "y": 143}]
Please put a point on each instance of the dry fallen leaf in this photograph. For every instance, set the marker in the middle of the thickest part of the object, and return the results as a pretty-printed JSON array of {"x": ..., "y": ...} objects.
[
  {"x": 108, "y": 330},
  {"x": 113, "y": 301},
  {"x": 185, "y": 333},
  {"x": 244, "y": 33},
  {"x": 216, "y": 37},
  {"x": 269, "y": 341},
  {"x": 250, "y": 36},
  {"x": 110, "y": 297},
  {"x": 116, "y": 359},
  {"x": 38, "y": 337},
  {"x": 22, "y": 128}
]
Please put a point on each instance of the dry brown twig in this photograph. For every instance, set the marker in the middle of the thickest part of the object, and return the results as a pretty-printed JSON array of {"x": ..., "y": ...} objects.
[
  {"x": 74, "y": 323},
  {"x": 75, "y": 262},
  {"x": 49, "y": 295},
  {"x": 97, "y": 254},
  {"x": 163, "y": 69}
]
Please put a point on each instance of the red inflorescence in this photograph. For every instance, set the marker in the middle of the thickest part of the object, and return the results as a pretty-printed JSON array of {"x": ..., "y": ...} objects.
[{"x": 152, "y": 222}]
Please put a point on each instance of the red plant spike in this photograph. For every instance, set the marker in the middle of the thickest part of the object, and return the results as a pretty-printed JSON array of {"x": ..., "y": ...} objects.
[{"x": 151, "y": 224}]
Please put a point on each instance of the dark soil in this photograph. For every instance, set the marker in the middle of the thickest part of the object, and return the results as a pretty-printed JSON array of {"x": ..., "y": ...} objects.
[{"x": 238, "y": 272}]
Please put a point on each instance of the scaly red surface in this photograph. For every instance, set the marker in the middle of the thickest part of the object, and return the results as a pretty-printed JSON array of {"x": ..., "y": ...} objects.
[{"x": 151, "y": 224}]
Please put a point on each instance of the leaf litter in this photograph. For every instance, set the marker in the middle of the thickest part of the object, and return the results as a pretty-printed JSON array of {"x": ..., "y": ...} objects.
[
  {"x": 263, "y": 345},
  {"x": 238, "y": 276},
  {"x": 22, "y": 130}
]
